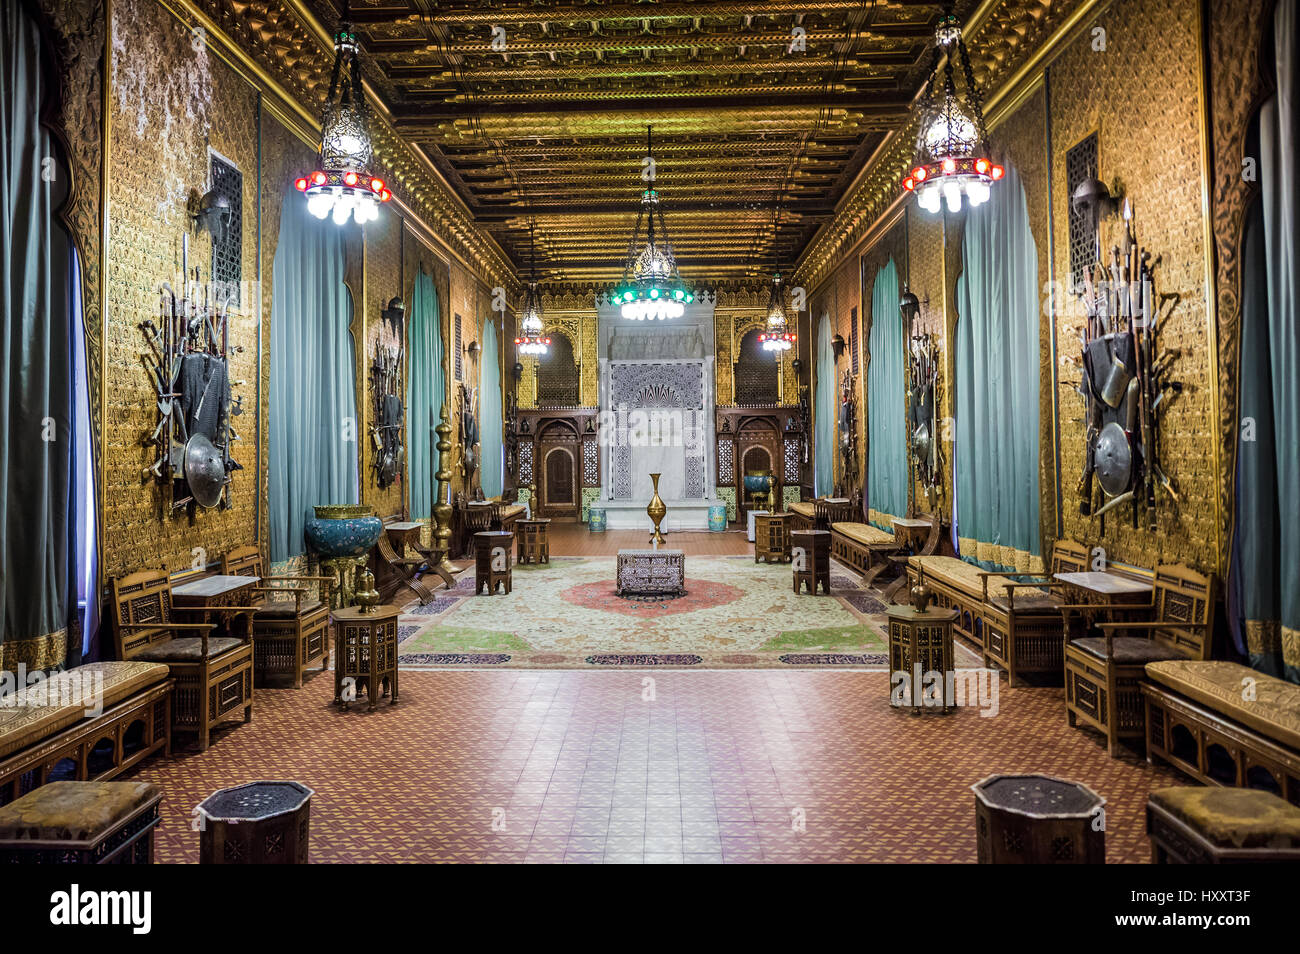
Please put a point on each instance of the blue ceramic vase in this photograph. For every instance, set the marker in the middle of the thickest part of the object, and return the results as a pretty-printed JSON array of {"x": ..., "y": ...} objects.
[{"x": 340, "y": 530}]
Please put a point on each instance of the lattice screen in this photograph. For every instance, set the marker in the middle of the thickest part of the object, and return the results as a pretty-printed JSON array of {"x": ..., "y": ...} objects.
[
  {"x": 227, "y": 253},
  {"x": 726, "y": 461},
  {"x": 590, "y": 462},
  {"x": 853, "y": 337},
  {"x": 792, "y": 460},
  {"x": 557, "y": 375},
  {"x": 526, "y": 462},
  {"x": 757, "y": 380},
  {"x": 1080, "y": 166},
  {"x": 456, "y": 343}
]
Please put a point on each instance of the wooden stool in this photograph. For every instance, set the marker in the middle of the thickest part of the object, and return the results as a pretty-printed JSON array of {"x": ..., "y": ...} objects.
[
  {"x": 811, "y": 552},
  {"x": 920, "y": 643},
  {"x": 492, "y": 560},
  {"x": 1038, "y": 820},
  {"x": 772, "y": 537},
  {"x": 534, "y": 541},
  {"x": 365, "y": 652},
  {"x": 1199, "y": 825},
  {"x": 81, "y": 823},
  {"x": 261, "y": 823}
]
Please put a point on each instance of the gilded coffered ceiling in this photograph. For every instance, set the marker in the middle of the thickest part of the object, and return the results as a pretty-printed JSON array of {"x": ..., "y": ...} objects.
[{"x": 539, "y": 109}]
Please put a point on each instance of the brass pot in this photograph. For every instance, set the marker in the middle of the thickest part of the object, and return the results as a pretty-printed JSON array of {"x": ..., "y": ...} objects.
[{"x": 921, "y": 597}]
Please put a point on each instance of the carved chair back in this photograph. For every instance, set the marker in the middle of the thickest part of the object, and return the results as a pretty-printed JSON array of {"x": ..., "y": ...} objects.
[
  {"x": 1183, "y": 600},
  {"x": 1068, "y": 556},
  {"x": 139, "y": 599}
]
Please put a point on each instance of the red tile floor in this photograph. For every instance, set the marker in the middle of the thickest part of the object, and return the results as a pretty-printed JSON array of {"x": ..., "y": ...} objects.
[{"x": 731, "y": 766}]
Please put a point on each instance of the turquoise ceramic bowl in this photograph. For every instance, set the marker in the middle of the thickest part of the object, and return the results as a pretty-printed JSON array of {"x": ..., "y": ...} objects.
[{"x": 340, "y": 530}]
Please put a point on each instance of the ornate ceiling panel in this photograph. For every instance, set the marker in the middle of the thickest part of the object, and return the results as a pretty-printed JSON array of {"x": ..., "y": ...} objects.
[{"x": 539, "y": 108}]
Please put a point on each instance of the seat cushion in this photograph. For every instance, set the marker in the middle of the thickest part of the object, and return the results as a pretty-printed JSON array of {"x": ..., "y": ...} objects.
[
  {"x": 1128, "y": 650},
  {"x": 512, "y": 511},
  {"x": 1026, "y": 601},
  {"x": 1233, "y": 817},
  {"x": 865, "y": 534},
  {"x": 959, "y": 575},
  {"x": 189, "y": 649},
  {"x": 64, "y": 696},
  {"x": 1274, "y": 711},
  {"x": 286, "y": 609},
  {"x": 803, "y": 508},
  {"x": 73, "y": 811}
]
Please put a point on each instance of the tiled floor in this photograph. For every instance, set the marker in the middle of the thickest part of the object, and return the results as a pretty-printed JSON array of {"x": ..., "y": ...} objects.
[{"x": 733, "y": 766}]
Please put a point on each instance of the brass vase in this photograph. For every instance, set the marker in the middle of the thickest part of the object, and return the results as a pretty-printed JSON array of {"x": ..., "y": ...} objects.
[{"x": 656, "y": 510}]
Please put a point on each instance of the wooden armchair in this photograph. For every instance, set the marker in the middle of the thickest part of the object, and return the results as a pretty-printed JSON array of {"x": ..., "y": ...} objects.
[
  {"x": 1022, "y": 621},
  {"x": 1102, "y": 673},
  {"x": 214, "y": 674},
  {"x": 827, "y": 511},
  {"x": 290, "y": 627}
]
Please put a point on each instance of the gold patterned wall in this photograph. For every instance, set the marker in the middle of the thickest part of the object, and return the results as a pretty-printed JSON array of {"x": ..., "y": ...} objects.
[
  {"x": 737, "y": 310},
  {"x": 170, "y": 101},
  {"x": 1142, "y": 97},
  {"x": 568, "y": 311}
]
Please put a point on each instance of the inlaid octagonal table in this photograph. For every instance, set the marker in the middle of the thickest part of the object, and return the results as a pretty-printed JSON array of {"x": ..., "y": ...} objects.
[
  {"x": 1038, "y": 819},
  {"x": 261, "y": 823},
  {"x": 651, "y": 573}
]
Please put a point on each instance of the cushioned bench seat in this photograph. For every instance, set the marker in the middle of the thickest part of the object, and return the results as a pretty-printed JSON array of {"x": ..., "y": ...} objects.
[
  {"x": 1224, "y": 724},
  {"x": 803, "y": 508},
  {"x": 960, "y": 575},
  {"x": 189, "y": 649},
  {"x": 512, "y": 512},
  {"x": 21, "y": 726},
  {"x": 865, "y": 534},
  {"x": 1273, "y": 709},
  {"x": 35, "y": 739}
]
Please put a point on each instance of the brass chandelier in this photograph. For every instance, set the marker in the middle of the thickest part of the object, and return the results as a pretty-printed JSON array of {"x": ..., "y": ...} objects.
[
  {"x": 952, "y": 151},
  {"x": 651, "y": 289}
]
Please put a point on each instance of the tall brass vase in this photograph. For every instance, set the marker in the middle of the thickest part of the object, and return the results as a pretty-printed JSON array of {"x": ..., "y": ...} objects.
[{"x": 656, "y": 511}]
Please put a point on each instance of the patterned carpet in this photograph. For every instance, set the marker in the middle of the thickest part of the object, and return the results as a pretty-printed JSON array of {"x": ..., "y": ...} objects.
[
  {"x": 565, "y": 615},
  {"x": 740, "y": 766}
]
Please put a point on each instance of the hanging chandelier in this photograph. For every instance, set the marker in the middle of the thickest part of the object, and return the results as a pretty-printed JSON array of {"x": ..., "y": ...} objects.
[
  {"x": 651, "y": 288},
  {"x": 531, "y": 324},
  {"x": 952, "y": 150},
  {"x": 776, "y": 337},
  {"x": 342, "y": 187}
]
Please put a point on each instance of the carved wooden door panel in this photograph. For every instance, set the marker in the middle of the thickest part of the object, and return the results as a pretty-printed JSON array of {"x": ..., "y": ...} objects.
[{"x": 558, "y": 496}]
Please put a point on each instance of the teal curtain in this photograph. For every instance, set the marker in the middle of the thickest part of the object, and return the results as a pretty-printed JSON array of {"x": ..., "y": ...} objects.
[
  {"x": 824, "y": 412},
  {"x": 886, "y": 423},
  {"x": 996, "y": 388},
  {"x": 313, "y": 441},
  {"x": 1266, "y": 545},
  {"x": 425, "y": 395},
  {"x": 37, "y": 496},
  {"x": 489, "y": 412}
]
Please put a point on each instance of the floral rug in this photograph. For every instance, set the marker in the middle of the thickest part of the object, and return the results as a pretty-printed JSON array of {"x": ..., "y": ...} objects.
[{"x": 565, "y": 615}]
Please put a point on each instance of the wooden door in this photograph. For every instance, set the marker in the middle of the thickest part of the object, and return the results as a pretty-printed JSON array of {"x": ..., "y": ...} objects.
[{"x": 558, "y": 496}]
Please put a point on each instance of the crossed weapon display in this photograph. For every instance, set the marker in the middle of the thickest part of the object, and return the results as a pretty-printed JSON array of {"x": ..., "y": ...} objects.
[
  {"x": 1119, "y": 339},
  {"x": 184, "y": 328}
]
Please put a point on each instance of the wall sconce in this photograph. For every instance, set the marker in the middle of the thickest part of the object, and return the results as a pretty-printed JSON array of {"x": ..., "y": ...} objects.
[
  {"x": 837, "y": 346},
  {"x": 519, "y": 370}
]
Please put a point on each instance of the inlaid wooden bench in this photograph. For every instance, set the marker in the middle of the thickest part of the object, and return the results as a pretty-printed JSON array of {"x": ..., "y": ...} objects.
[
  {"x": 1224, "y": 724},
  {"x": 863, "y": 547},
  {"x": 135, "y": 722}
]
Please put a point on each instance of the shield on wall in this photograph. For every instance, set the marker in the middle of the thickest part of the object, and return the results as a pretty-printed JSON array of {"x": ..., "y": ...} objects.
[
  {"x": 205, "y": 470},
  {"x": 1114, "y": 460}
]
